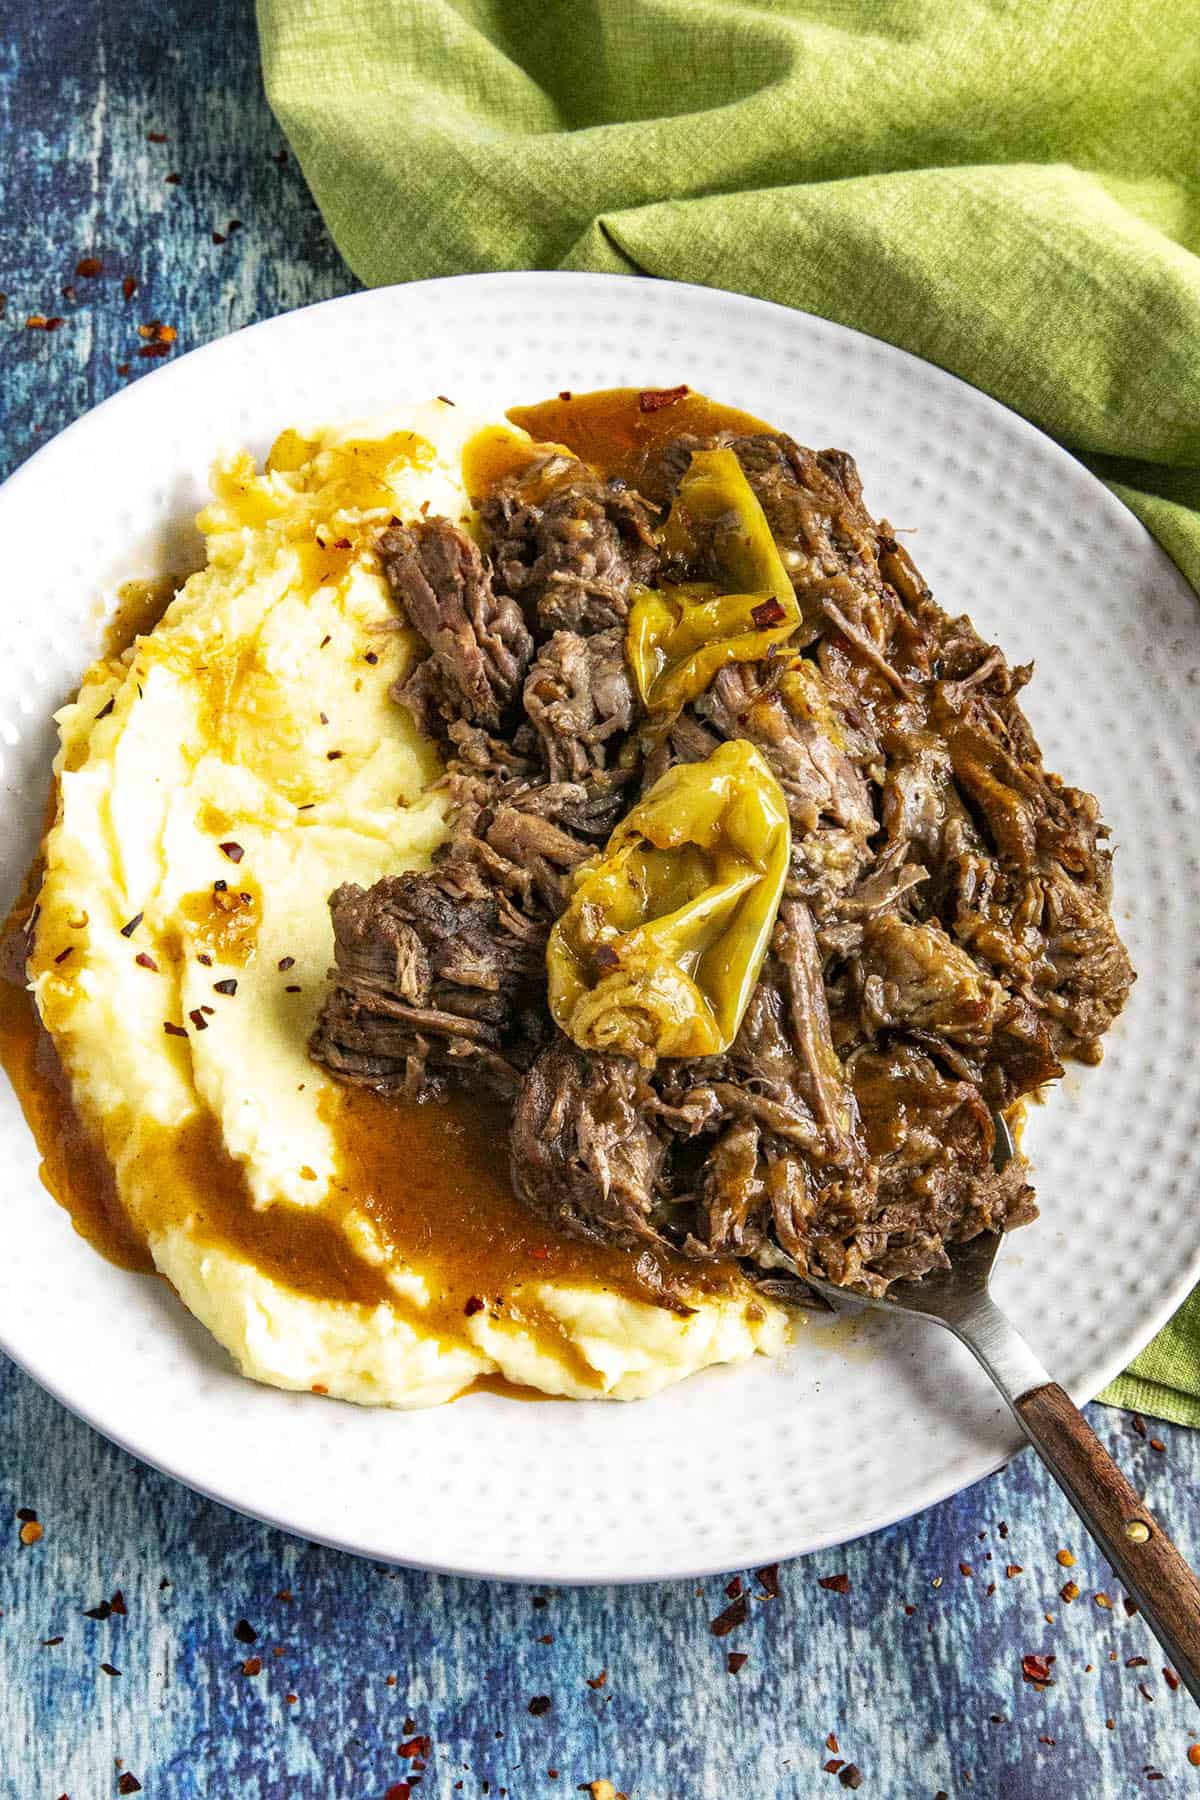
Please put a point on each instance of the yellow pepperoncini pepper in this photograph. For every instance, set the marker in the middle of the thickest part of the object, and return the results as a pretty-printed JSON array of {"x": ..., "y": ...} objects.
[
  {"x": 679, "y": 637},
  {"x": 659, "y": 949}
]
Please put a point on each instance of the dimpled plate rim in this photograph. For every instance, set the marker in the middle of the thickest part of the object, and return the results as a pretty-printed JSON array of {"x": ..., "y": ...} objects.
[{"x": 858, "y": 1425}]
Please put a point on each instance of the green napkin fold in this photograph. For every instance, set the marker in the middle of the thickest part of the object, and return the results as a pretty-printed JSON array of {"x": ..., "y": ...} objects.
[{"x": 1009, "y": 189}]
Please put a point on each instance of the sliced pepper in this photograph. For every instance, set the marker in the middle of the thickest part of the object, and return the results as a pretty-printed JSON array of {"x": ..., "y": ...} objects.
[
  {"x": 679, "y": 636},
  {"x": 660, "y": 947}
]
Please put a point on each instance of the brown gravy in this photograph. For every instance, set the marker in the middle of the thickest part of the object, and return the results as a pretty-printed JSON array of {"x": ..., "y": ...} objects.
[
  {"x": 432, "y": 1179},
  {"x": 612, "y": 430},
  {"x": 140, "y": 605}
]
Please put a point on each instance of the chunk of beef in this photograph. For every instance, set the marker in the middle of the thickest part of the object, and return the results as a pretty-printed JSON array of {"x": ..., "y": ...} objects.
[
  {"x": 569, "y": 544},
  {"x": 586, "y": 1153},
  {"x": 915, "y": 975},
  {"x": 785, "y": 713},
  {"x": 931, "y": 1139},
  {"x": 514, "y": 838},
  {"x": 479, "y": 646},
  {"x": 580, "y": 699},
  {"x": 432, "y": 979}
]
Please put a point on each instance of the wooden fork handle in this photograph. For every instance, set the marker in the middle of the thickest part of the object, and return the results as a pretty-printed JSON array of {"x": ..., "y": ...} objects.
[{"x": 1142, "y": 1555}]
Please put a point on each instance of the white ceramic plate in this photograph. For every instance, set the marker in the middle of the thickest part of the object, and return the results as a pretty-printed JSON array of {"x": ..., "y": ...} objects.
[{"x": 854, "y": 1428}]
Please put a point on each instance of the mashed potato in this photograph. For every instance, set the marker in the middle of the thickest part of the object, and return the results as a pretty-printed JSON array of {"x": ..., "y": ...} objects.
[{"x": 216, "y": 782}]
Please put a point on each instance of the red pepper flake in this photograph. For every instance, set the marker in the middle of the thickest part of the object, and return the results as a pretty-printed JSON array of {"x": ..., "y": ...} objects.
[
  {"x": 768, "y": 612},
  {"x": 1139, "y": 1424},
  {"x": 1048, "y": 1740},
  {"x": 291, "y": 1699},
  {"x": 1037, "y": 1669},
  {"x": 233, "y": 851},
  {"x": 831, "y": 1743},
  {"x": 39, "y": 322},
  {"x": 836, "y": 1584},
  {"x": 565, "y": 394},
  {"x": 735, "y": 1614},
  {"x": 736, "y": 1661},
  {"x": 539, "y": 1600},
  {"x": 371, "y": 657},
  {"x": 1171, "y": 1679},
  {"x": 768, "y": 1580},
  {"x": 547, "y": 1637},
  {"x": 284, "y": 1594},
  {"x": 342, "y": 543},
  {"x": 285, "y": 963},
  {"x": 542, "y": 1255},
  {"x": 227, "y": 986},
  {"x": 1144, "y": 1691},
  {"x": 172, "y": 179},
  {"x": 419, "y": 1746},
  {"x": 63, "y": 954},
  {"x": 252, "y": 1666},
  {"x": 173, "y": 1030},
  {"x": 218, "y": 237},
  {"x": 198, "y": 1019},
  {"x": 334, "y": 755},
  {"x": 1012, "y": 1569},
  {"x": 128, "y": 1784},
  {"x": 293, "y": 988},
  {"x": 154, "y": 350},
  {"x": 1136, "y": 1662},
  {"x": 1068, "y": 1592},
  {"x": 128, "y": 929},
  {"x": 1064, "y": 1558},
  {"x": 540, "y": 1704},
  {"x": 129, "y": 287},
  {"x": 851, "y": 1776},
  {"x": 1131, "y": 1607},
  {"x": 100, "y": 1611},
  {"x": 1002, "y": 1529},
  {"x": 109, "y": 1670},
  {"x": 318, "y": 1387},
  {"x": 399, "y": 1790},
  {"x": 49, "y": 1643},
  {"x": 89, "y": 266},
  {"x": 1104, "y": 1601},
  {"x": 244, "y": 1632},
  {"x": 596, "y": 1682},
  {"x": 605, "y": 957},
  {"x": 445, "y": 400},
  {"x": 1193, "y": 1755},
  {"x": 833, "y": 1765},
  {"x": 733, "y": 1588},
  {"x": 652, "y": 400},
  {"x": 1157, "y": 1444},
  {"x": 909, "y": 1610},
  {"x": 30, "y": 1532},
  {"x": 118, "y": 1604},
  {"x": 233, "y": 225},
  {"x": 122, "y": 369},
  {"x": 965, "y": 1569},
  {"x": 156, "y": 137},
  {"x": 474, "y": 1305}
]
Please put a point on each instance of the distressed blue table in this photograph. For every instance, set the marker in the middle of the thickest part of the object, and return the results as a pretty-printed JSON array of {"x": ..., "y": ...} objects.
[{"x": 152, "y": 1637}]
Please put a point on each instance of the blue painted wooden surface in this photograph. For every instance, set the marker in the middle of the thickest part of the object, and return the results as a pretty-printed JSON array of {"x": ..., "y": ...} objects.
[{"x": 916, "y": 1670}]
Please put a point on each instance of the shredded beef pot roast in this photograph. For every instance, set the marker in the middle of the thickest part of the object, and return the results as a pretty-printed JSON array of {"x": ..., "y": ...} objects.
[{"x": 945, "y": 937}]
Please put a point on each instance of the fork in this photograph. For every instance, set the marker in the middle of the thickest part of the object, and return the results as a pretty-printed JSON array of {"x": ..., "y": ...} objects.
[{"x": 1135, "y": 1544}]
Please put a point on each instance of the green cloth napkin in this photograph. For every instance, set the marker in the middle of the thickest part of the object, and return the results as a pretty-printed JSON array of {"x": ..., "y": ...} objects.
[{"x": 1010, "y": 189}]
